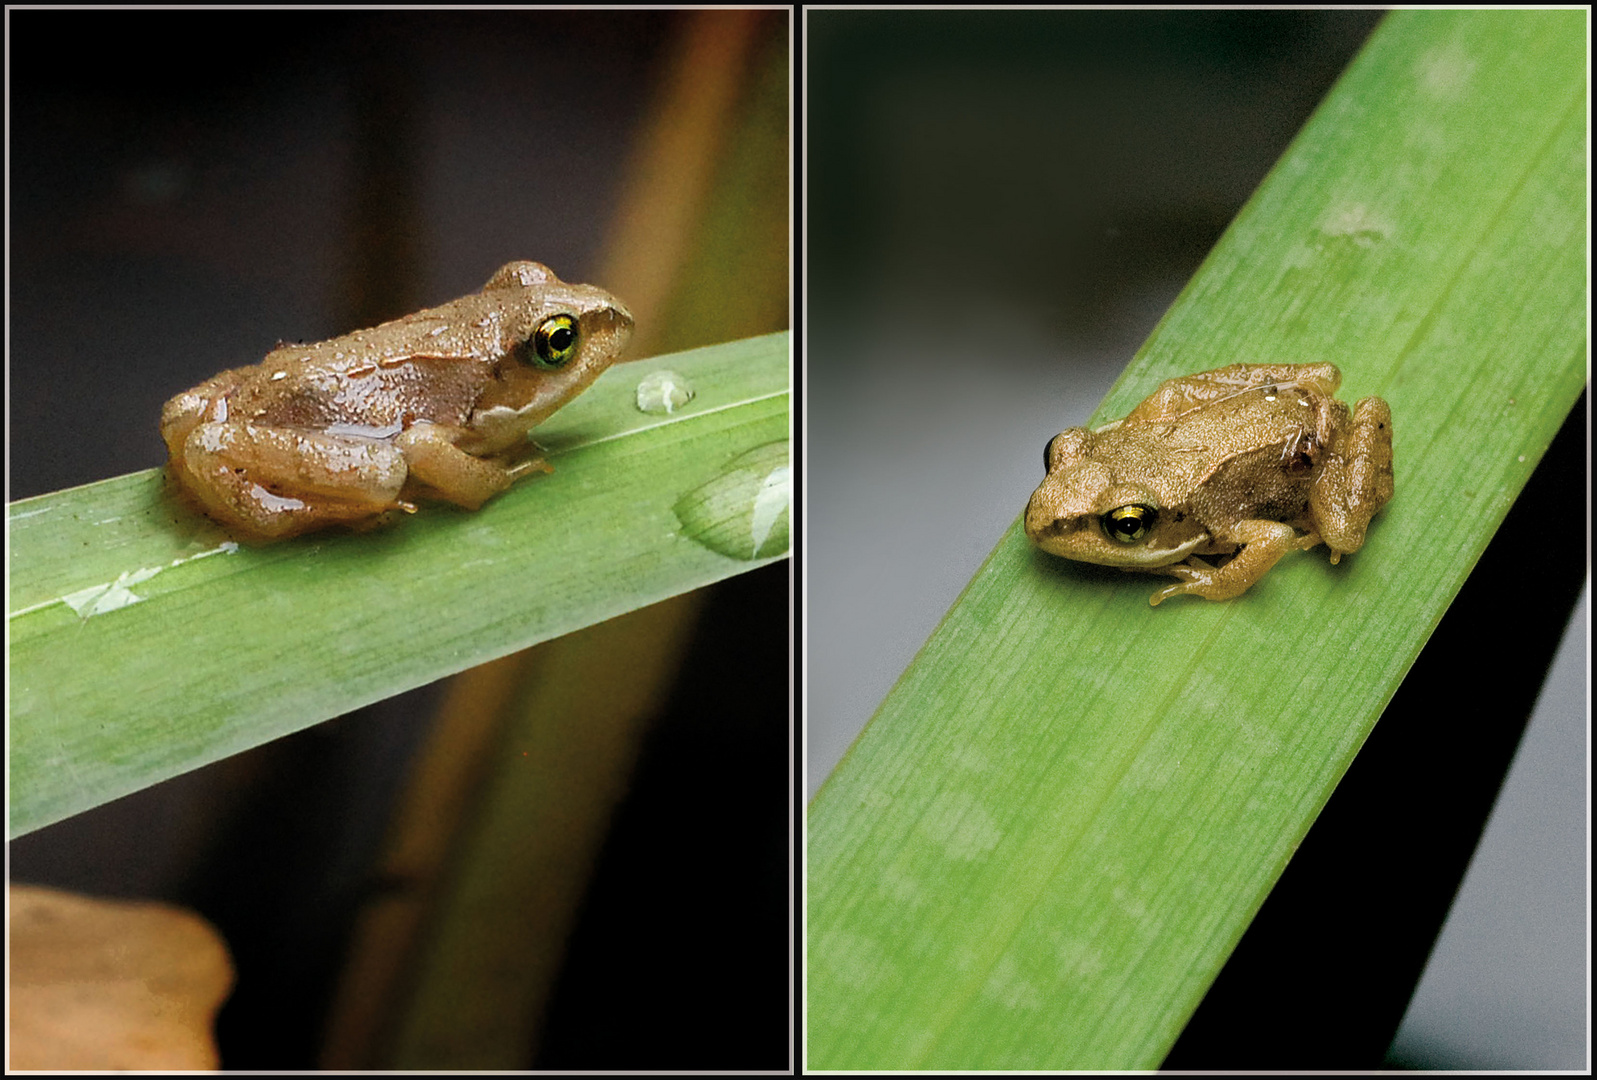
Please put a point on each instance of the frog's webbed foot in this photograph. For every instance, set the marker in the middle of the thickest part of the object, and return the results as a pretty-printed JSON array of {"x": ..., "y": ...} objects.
[
  {"x": 1356, "y": 480},
  {"x": 1263, "y": 544}
]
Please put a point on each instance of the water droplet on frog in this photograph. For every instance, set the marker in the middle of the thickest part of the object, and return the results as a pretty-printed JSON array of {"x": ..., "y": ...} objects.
[
  {"x": 746, "y": 511},
  {"x": 663, "y": 391}
]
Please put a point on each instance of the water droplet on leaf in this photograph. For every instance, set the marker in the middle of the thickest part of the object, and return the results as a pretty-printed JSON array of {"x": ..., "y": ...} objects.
[
  {"x": 663, "y": 391},
  {"x": 746, "y": 512}
]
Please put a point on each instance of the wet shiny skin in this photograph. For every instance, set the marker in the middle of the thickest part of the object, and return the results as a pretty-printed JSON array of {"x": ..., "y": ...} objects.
[{"x": 436, "y": 404}]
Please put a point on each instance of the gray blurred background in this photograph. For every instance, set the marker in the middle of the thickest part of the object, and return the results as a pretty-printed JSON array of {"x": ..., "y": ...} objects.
[{"x": 1000, "y": 207}]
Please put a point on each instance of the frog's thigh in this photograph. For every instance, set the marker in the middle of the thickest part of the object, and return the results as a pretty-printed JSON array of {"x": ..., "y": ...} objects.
[
  {"x": 300, "y": 462},
  {"x": 277, "y": 481},
  {"x": 454, "y": 474},
  {"x": 1357, "y": 478},
  {"x": 1176, "y": 396},
  {"x": 1264, "y": 544}
]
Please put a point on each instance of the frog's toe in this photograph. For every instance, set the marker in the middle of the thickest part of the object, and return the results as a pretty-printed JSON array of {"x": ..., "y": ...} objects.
[
  {"x": 1195, "y": 586},
  {"x": 522, "y": 468},
  {"x": 1192, "y": 580}
]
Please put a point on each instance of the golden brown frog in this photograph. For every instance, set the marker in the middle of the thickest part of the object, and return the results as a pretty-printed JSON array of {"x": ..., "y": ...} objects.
[
  {"x": 435, "y": 404},
  {"x": 1229, "y": 462}
]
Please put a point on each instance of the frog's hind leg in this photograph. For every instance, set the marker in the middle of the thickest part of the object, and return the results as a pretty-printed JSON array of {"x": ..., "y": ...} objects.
[
  {"x": 269, "y": 483},
  {"x": 1263, "y": 544},
  {"x": 1356, "y": 480}
]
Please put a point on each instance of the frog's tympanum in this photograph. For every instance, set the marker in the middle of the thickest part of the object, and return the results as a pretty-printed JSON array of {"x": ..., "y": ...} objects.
[
  {"x": 436, "y": 404},
  {"x": 1242, "y": 464}
]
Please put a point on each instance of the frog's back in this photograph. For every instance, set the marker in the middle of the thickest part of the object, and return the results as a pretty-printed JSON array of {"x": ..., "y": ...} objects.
[
  {"x": 1251, "y": 456},
  {"x": 366, "y": 394},
  {"x": 1270, "y": 483}
]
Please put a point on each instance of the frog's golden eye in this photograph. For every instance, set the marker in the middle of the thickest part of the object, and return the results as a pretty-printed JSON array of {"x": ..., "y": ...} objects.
[
  {"x": 554, "y": 343},
  {"x": 1128, "y": 524}
]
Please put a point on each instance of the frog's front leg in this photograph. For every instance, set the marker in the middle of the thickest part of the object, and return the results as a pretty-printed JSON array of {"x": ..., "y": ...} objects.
[
  {"x": 1356, "y": 480},
  {"x": 452, "y": 473},
  {"x": 1264, "y": 542},
  {"x": 270, "y": 482}
]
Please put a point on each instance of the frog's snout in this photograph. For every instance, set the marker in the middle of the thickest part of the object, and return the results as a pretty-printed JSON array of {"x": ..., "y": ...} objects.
[
  {"x": 621, "y": 321},
  {"x": 613, "y": 321},
  {"x": 1041, "y": 521}
]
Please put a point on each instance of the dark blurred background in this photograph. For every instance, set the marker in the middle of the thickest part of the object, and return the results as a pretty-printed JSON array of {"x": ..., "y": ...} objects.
[
  {"x": 187, "y": 188},
  {"x": 1001, "y": 205}
]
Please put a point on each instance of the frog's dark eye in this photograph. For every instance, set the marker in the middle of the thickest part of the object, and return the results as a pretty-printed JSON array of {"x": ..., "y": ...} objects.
[
  {"x": 1048, "y": 454},
  {"x": 554, "y": 343},
  {"x": 1128, "y": 524}
]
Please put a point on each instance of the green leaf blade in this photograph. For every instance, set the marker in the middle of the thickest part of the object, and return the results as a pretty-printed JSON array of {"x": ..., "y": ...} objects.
[
  {"x": 240, "y": 645},
  {"x": 1044, "y": 846}
]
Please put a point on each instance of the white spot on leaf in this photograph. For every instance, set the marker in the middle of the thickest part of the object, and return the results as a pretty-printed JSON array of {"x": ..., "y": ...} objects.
[
  {"x": 1445, "y": 71},
  {"x": 961, "y": 826}
]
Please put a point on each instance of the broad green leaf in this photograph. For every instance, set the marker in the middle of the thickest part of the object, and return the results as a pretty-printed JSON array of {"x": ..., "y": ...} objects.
[
  {"x": 144, "y": 643},
  {"x": 1042, "y": 849}
]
